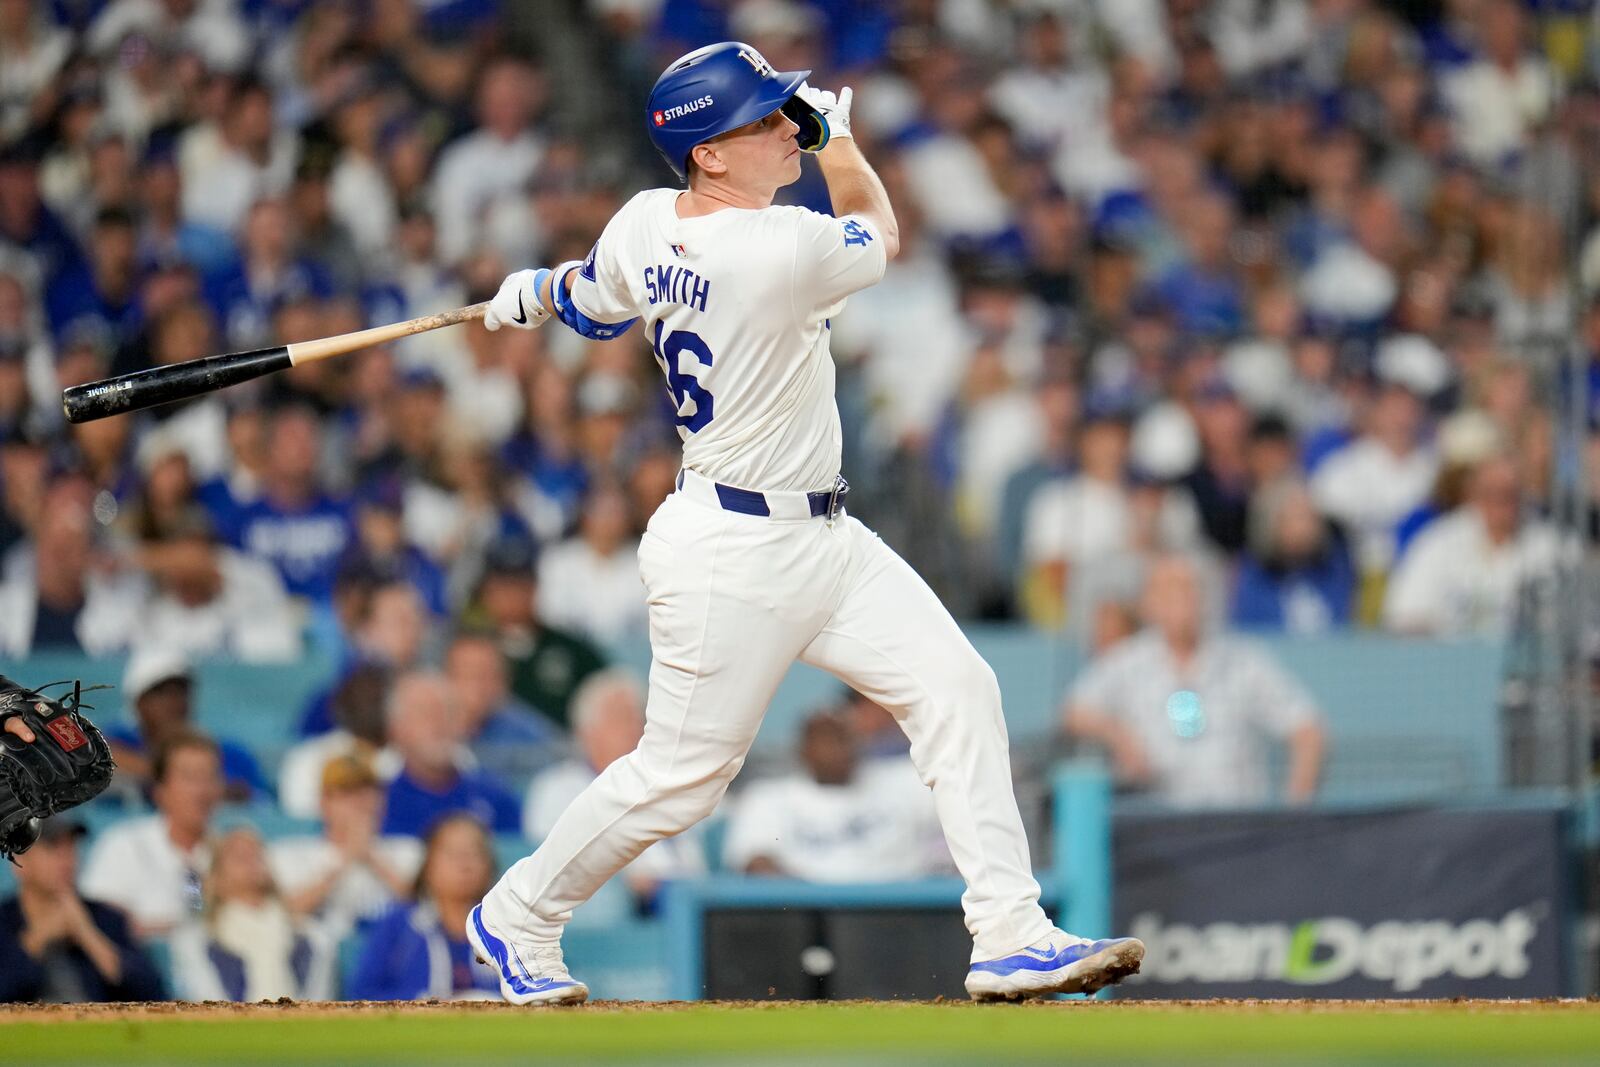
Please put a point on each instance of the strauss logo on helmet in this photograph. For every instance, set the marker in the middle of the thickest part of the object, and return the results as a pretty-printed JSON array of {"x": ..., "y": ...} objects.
[{"x": 666, "y": 115}]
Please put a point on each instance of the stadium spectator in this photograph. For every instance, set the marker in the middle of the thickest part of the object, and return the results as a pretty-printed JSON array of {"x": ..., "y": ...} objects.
[
  {"x": 159, "y": 685},
  {"x": 547, "y": 664},
  {"x": 1076, "y": 526},
  {"x": 269, "y": 276},
  {"x": 425, "y": 729},
  {"x": 1370, "y": 485},
  {"x": 185, "y": 330},
  {"x": 167, "y": 496},
  {"x": 878, "y": 735},
  {"x": 58, "y": 947},
  {"x": 32, "y": 51},
  {"x": 102, "y": 293},
  {"x": 1221, "y": 482},
  {"x": 493, "y": 161},
  {"x": 1184, "y": 714},
  {"x": 1070, "y": 523},
  {"x": 53, "y": 597},
  {"x": 349, "y": 874},
  {"x": 607, "y": 722},
  {"x": 1463, "y": 574},
  {"x": 246, "y": 945},
  {"x": 357, "y": 703},
  {"x": 1504, "y": 92},
  {"x": 231, "y": 163},
  {"x": 381, "y": 548},
  {"x": 292, "y": 524},
  {"x": 151, "y": 866},
  {"x": 210, "y": 600},
  {"x": 1296, "y": 576},
  {"x": 420, "y": 951},
  {"x": 838, "y": 820},
  {"x": 390, "y": 628},
  {"x": 590, "y": 583},
  {"x": 509, "y": 739}
]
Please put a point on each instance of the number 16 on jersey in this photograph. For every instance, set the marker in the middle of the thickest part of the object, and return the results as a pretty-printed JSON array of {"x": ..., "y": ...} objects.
[{"x": 683, "y": 385}]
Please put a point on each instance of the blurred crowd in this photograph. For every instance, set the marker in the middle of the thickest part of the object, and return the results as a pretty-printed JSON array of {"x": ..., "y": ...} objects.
[
  {"x": 1286, "y": 309},
  {"x": 1291, "y": 284},
  {"x": 1276, "y": 281}
]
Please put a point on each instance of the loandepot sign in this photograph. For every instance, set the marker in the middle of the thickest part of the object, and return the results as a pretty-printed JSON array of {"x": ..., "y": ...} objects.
[{"x": 1319, "y": 952}]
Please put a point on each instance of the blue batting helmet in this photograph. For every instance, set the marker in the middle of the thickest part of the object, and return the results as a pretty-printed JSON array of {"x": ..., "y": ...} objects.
[{"x": 719, "y": 88}]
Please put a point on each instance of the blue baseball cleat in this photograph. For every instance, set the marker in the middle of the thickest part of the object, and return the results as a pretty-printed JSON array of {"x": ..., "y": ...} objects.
[
  {"x": 527, "y": 976},
  {"x": 1060, "y": 963}
]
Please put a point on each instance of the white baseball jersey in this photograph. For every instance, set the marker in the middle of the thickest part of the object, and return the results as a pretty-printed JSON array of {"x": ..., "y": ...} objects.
[{"x": 736, "y": 307}]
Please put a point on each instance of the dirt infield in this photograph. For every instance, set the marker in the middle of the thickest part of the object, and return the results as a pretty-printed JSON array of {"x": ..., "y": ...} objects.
[{"x": 286, "y": 1008}]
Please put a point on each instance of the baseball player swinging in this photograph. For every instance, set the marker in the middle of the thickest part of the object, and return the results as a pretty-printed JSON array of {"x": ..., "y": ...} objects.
[{"x": 753, "y": 562}]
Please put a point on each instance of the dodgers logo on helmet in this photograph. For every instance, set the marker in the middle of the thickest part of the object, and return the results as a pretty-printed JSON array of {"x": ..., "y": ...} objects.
[
  {"x": 758, "y": 61},
  {"x": 710, "y": 91}
]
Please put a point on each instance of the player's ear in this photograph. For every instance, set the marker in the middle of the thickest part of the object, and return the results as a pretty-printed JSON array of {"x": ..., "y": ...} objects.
[{"x": 708, "y": 160}]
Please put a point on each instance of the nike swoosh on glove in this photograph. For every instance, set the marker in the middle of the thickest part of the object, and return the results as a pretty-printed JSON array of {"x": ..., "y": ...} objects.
[
  {"x": 517, "y": 303},
  {"x": 835, "y": 109}
]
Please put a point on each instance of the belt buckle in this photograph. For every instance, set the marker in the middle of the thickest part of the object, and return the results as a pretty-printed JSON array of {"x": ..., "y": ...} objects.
[{"x": 839, "y": 486}]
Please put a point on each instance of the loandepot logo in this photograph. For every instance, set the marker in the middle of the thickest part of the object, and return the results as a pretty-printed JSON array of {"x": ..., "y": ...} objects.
[
  {"x": 1321, "y": 951},
  {"x": 666, "y": 115}
]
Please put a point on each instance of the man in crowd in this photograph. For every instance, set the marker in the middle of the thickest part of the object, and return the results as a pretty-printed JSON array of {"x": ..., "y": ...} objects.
[
  {"x": 151, "y": 866},
  {"x": 838, "y": 819},
  {"x": 50, "y": 597},
  {"x": 57, "y": 946},
  {"x": 1183, "y": 713},
  {"x": 509, "y": 739},
  {"x": 1463, "y": 574},
  {"x": 350, "y": 873},
  {"x": 547, "y": 663},
  {"x": 424, "y": 729},
  {"x": 159, "y": 686},
  {"x": 607, "y": 722}
]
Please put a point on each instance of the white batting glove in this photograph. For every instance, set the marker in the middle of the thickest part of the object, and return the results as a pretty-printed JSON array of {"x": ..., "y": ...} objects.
[
  {"x": 517, "y": 303},
  {"x": 836, "y": 109}
]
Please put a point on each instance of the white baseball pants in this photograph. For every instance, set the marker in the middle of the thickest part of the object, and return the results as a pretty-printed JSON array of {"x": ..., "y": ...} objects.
[{"x": 734, "y": 600}]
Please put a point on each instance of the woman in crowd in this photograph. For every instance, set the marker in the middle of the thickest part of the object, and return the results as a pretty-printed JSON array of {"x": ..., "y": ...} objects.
[
  {"x": 1296, "y": 575},
  {"x": 419, "y": 950},
  {"x": 247, "y": 945}
]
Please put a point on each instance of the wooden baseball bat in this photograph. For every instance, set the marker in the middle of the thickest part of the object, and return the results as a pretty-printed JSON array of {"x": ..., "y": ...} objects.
[{"x": 180, "y": 381}]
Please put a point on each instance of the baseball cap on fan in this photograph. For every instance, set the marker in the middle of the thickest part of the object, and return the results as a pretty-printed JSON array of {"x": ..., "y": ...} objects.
[
  {"x": 151, "y": 665},
  {"x": 1414, "y": 363}
]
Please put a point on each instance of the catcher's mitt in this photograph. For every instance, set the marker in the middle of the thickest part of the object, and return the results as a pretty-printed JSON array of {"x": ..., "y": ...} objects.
[{"x": 67, "y": 763}]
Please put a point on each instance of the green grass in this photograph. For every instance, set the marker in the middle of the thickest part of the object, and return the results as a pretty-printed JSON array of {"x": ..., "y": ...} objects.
[{"x": 1082, "y": 1033}]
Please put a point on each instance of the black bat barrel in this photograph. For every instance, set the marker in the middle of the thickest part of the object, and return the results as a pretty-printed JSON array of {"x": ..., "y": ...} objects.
[{"x": 172, "y": 382}]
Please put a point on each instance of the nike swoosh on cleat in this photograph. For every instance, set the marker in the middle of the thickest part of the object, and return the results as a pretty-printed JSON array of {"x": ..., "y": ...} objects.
[
  {"x": 522, "y": 316},
  {"x": 523, "y": 983}
]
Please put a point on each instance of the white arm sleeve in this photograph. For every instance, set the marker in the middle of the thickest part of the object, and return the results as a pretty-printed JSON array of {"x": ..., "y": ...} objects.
[{"x": 833, "y": 257}]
